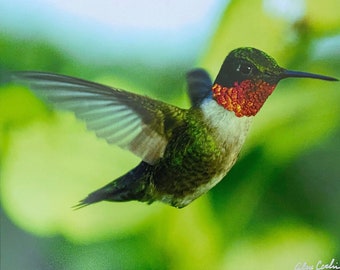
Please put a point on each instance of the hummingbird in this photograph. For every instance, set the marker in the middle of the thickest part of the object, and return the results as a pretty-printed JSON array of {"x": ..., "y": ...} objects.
[{"x": 184, "y": 152}]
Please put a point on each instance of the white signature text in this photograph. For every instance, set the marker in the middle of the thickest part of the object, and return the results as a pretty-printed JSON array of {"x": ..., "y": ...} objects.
[{"x": 320, "y": 265}]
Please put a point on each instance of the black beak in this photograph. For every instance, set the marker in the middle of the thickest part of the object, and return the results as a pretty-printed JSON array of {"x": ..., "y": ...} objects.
[{"x": 299, "y": 74}]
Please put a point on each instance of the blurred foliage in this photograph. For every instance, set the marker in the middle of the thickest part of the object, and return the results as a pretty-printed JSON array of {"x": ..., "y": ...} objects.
[{"x": 278, "y": 206}]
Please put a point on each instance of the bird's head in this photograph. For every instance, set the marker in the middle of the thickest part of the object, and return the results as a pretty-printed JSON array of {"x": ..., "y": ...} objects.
[{"x": 246, "y": 79}]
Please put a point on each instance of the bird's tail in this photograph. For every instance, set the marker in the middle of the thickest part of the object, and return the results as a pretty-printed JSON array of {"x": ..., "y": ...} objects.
[{"x": 130, "y": 186}]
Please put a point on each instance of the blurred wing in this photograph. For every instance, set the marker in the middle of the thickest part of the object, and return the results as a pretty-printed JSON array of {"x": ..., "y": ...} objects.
[
  {"x": 134, "y": 122},
  {"x": 199, "y": 85}
]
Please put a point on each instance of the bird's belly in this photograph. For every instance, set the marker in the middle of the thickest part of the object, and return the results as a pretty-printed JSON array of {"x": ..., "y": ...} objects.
[
  {"x": 180, "y": 185},
  {"x": 205, "y": 159}
]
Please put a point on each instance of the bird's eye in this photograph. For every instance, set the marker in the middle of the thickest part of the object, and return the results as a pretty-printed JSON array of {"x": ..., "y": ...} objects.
[{"x": 244, "y": 68}]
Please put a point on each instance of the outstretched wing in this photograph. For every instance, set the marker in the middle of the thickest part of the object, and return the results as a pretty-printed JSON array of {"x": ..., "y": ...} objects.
[
  {"x": 199, "y": 85},
  {"x": 134, "y": 122}
]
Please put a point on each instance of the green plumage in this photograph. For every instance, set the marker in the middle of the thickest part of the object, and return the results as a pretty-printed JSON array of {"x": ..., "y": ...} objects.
[{"x": 191, "y": 159}]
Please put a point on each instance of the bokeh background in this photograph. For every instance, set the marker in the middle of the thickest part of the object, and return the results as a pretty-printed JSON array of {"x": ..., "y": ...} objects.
[{"x": 278, "y": 208}]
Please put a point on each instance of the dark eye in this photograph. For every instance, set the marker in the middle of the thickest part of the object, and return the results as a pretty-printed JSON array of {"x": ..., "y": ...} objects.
[{"x": 245, "y": 68}]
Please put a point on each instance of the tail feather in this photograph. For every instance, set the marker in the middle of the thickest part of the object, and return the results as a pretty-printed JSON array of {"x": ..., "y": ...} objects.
[
  {"x": 101, "y": 194},
  {"x": 128, "y": 187}
]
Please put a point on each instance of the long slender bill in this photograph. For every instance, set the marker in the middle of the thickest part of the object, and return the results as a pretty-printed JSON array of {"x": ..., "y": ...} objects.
[{"x": 300, "y": 74}]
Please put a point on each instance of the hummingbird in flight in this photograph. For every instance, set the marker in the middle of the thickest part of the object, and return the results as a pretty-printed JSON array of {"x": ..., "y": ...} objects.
[{"x": 184, "y": 152}]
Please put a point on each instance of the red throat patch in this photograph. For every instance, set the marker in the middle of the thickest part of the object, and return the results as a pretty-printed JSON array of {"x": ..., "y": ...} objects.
[{"x": 245, "y": 98}]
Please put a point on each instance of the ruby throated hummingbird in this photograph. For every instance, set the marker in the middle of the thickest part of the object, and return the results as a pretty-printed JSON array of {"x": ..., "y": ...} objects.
[{"x": 184, "y": 152}]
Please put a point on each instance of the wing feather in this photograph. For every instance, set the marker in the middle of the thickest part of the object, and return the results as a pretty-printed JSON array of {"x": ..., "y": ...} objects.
[
  {"x": 199, "y": 85},
  {"x": 134, "y": 122}
]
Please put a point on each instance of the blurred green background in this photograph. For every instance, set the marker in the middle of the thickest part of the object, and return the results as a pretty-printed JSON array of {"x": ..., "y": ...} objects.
[{"x": 278, "y": 208}]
